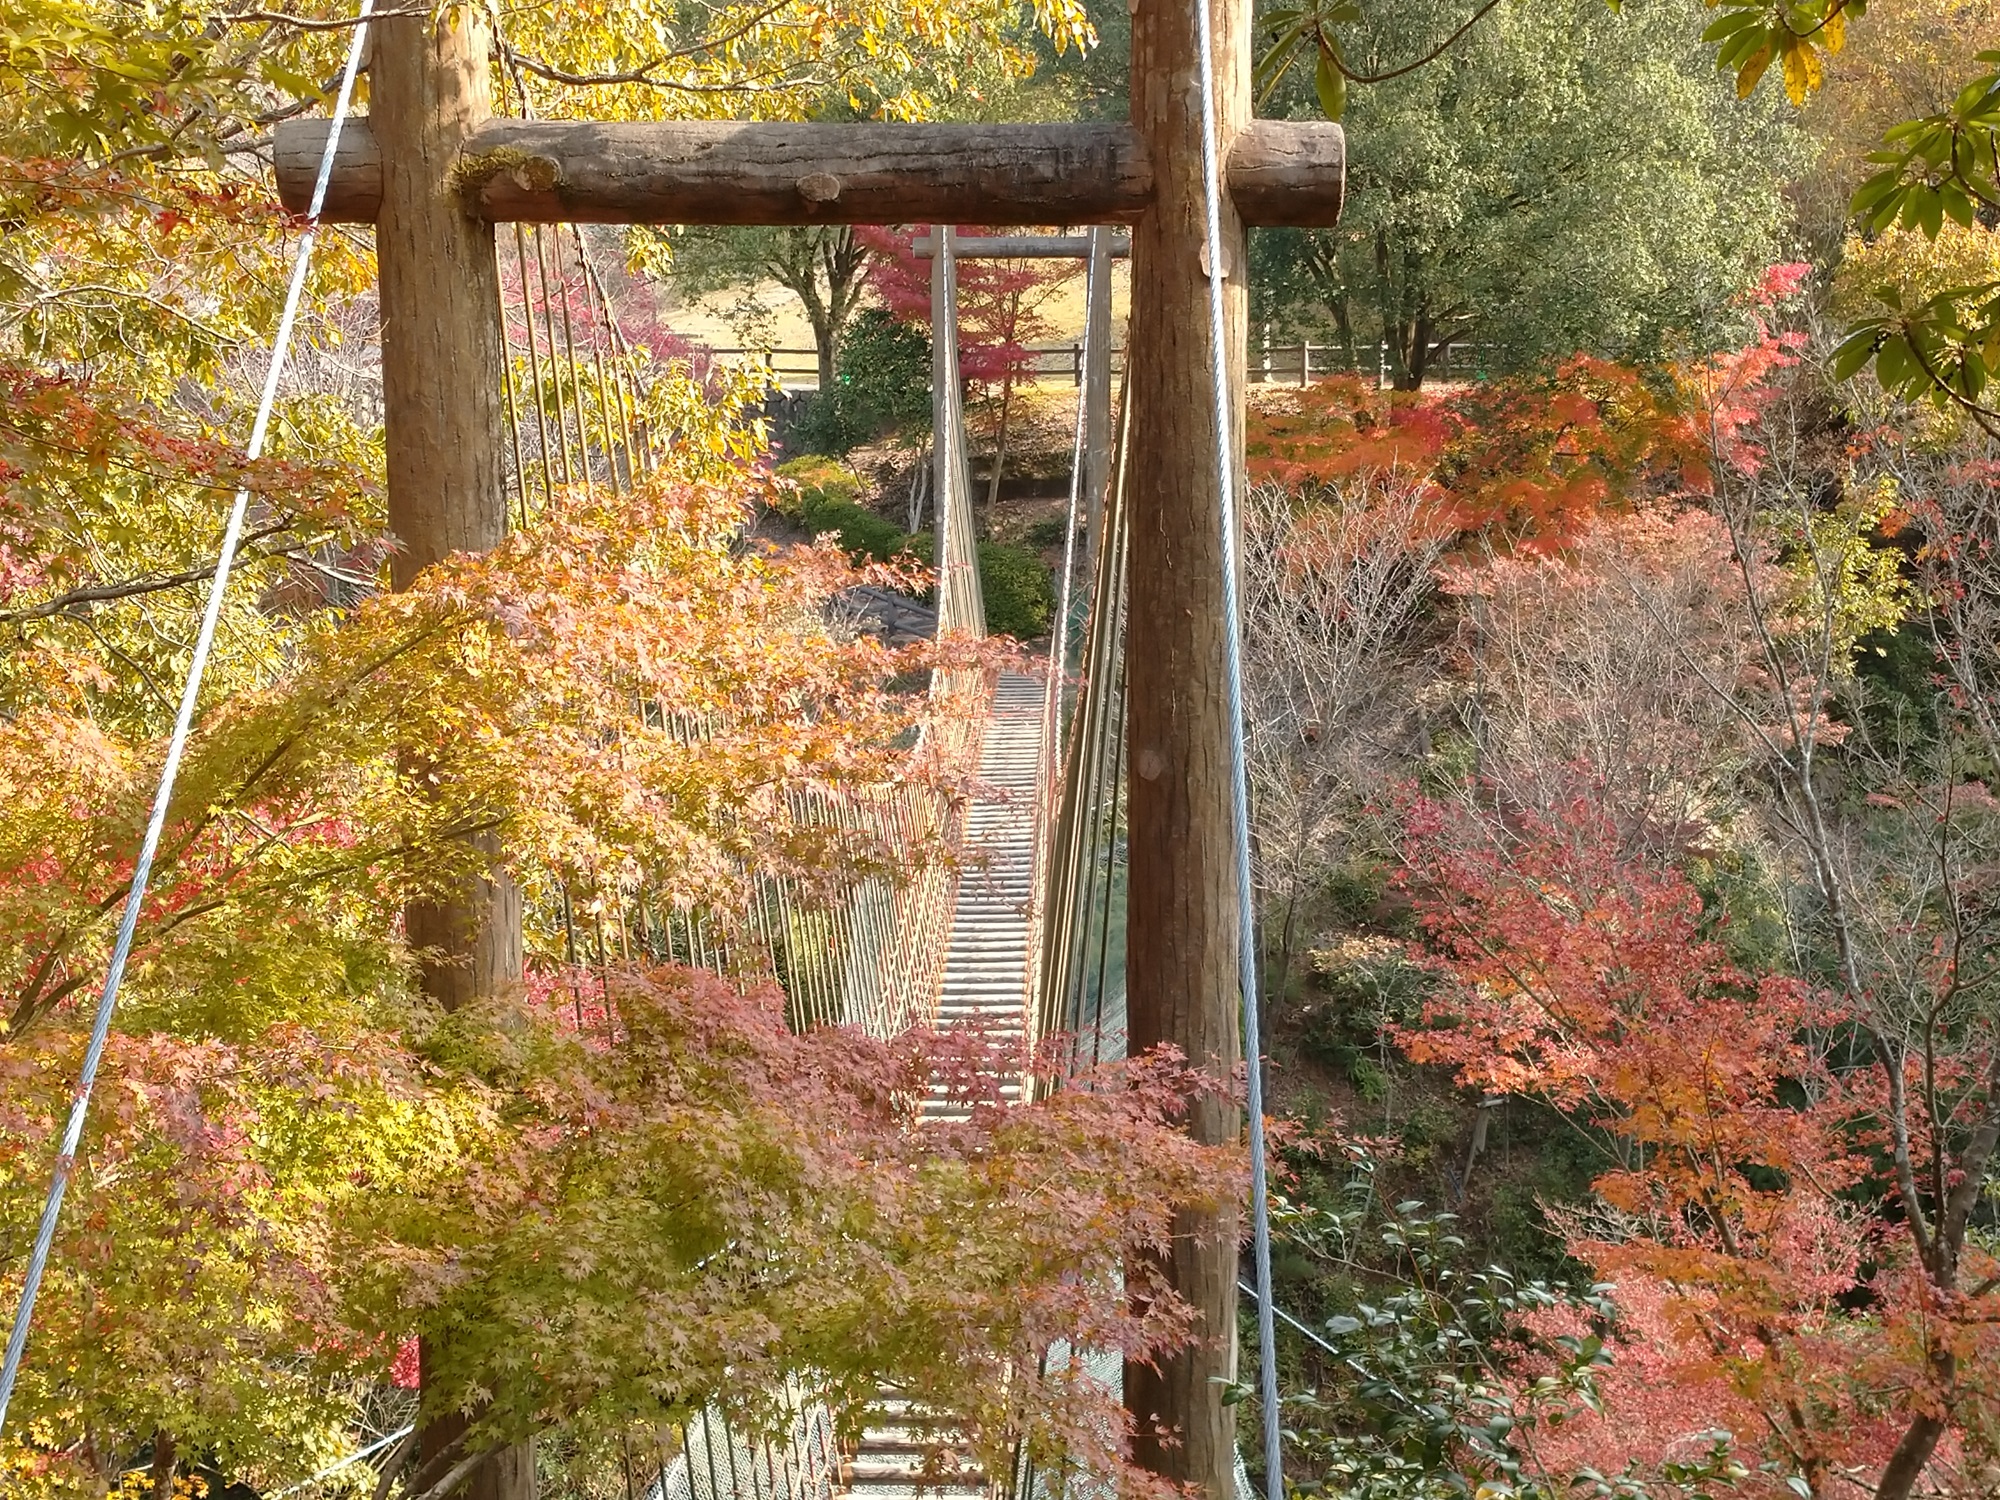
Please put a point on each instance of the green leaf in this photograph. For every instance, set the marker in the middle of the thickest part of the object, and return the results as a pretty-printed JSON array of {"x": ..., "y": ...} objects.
[
  {"x": 1957, "y": 203},
  {"x": 1929, "y": 206},
  {"x": 1895, "y": 364},
  {"x": 1730, "y": 24},
  {"x": 1330, "y": 84},
  {"x": 1854, "y": 352}
]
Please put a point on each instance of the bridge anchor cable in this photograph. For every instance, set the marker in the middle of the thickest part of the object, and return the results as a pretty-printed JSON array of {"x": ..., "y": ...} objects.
[{"x": 135, "y": 897}]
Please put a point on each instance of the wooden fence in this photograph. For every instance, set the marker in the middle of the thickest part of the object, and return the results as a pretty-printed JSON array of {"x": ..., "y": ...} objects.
[{"x": 1270, "y": 364}]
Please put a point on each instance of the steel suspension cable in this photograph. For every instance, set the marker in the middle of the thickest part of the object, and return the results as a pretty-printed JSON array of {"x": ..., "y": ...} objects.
[
  {"x": 1239, "y": 774},
  {"x": 347, "y": 1463},
  {"x": 135, "y": 897}
]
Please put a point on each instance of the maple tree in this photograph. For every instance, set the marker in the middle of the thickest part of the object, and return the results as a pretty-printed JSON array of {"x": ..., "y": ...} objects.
[
  {"x": 272, "y": 986},
  {"x": 1703, "y": 866},
  {"x": 1742, "y": 1166},
  {"x": 1001, "y": 310},
  {"x": 275, "y": 1092},
  {"x": 1794, "y": 1155},
  {"x": 722, "y": 1206},
  {"x": 1527, "y": 461}
]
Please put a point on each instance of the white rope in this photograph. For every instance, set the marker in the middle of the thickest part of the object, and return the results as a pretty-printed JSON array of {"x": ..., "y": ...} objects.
[
  {"x": 1239, "y": 775},
  {"x": 135, "y": 897}
]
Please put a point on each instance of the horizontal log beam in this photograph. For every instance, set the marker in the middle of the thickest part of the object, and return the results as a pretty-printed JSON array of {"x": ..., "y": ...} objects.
[
  {"x": 547, "y": 172},
  {"x": 1019, "y": 247}
]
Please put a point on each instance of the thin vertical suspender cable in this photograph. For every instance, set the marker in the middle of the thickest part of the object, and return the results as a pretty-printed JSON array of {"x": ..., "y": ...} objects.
[
  {"x": 135, "y": 898},
  {"x": 1239, "y": 774},
  {"x": 1059, "y": 644}
]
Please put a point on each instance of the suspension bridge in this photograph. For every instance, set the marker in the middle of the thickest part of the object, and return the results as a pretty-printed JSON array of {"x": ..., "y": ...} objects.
[{"x": 1101, "y": 887}]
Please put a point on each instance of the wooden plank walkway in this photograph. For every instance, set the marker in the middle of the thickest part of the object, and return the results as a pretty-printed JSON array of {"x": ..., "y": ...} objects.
[
  {"x": 985, "y": 985},
  {"x": 986, "y": 966}
]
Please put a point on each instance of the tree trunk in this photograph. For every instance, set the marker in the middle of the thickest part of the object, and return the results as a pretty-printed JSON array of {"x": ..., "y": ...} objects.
[
  {"x": 807, "y": 257},
  {"x": 999, "y": 449},
  {"x": 165, "y": 1462},
  {"x": 1343, "y": 327},
  {"x": 825, "y": 349},
  {"x": 1414, "y": 357},
  {"x": 1388, "y": 308},
  {"x": 1182, "y": 931},
  {"x": 1906, "y": 1464},
  {"x": 845, "y": 258},
  {"x": 441, "y": 352}
]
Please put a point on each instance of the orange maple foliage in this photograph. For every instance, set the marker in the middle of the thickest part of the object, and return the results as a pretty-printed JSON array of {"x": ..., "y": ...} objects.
[
  {"x": 1744, "y": 1202},
  {"x": 1526, "y": 461}
]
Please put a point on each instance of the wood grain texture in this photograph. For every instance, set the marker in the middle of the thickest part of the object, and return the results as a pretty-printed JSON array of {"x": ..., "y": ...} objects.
[
  {"x": 1280, "y": 172},
  {"x": 443, "y": 429},
  {"x": 1181, "y": 928}
]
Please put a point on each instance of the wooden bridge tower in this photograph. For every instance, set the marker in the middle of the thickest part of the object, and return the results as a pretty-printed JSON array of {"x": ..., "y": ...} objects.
[{"x": 434, "y": 172}]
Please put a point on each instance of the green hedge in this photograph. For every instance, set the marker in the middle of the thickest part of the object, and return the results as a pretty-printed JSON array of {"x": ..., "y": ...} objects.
[
  {"x": 1014, "y": 583},
  {"x": 861, "y": 531},
  {"x": 828, "y": 499}
]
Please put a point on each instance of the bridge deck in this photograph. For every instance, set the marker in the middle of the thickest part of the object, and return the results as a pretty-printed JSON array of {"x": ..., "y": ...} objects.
[
  {"x": 986, "y": 966},
  {"x": 985, "y": 985}
]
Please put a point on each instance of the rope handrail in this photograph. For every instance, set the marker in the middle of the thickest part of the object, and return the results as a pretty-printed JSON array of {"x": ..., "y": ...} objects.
[{"x": 1048, "y": 774}]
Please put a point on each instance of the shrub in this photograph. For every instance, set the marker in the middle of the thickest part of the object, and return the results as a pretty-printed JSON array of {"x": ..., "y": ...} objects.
[
  {"x": 1050, "y": 532},
  {"x": 815, "y": 474},
  {"x": 1362, "y": 986},
  {"x": 828, "y": 499},
  {"x": 885, "y": 373},
  {"x": 1020, "y": 596},
  {"x": 1014, "y": 584},
  {"x": 861, "y": 531},
  {"x": 882, "y": 385},
  {"x": 826, "y": 425}
]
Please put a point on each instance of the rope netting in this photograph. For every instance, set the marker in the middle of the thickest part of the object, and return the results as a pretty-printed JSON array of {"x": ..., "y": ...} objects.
[
  {"x": 584, "y": 406},
  {"x": 1081, "y": 978}
]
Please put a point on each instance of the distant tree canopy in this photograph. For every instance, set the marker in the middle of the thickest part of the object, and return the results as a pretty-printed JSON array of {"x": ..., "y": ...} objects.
[
  {"x": 1562, "y": 178},
  {"x": 822, "y": 265}
]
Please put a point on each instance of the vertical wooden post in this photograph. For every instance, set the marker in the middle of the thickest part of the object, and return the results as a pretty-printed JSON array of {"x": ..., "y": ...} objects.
[
  {"x": 1096, "y": 397},
  {"x": 441, "y": 352},
  {"x": 944, "y": 386},
  {"x": 1182, "y": 929}
]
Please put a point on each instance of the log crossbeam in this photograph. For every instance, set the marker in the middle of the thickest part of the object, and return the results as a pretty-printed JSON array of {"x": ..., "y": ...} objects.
[
  {"x": 551, "y": 172},
  {"x": 452, "y": 172}
]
